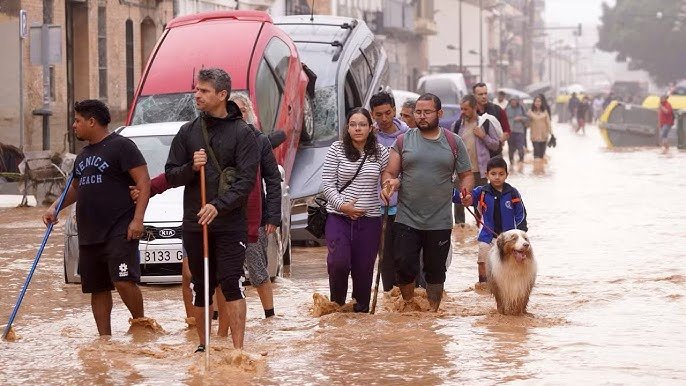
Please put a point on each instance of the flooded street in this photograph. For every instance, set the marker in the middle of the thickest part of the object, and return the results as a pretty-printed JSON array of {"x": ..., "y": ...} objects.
[{"x": 608, "y": 230}]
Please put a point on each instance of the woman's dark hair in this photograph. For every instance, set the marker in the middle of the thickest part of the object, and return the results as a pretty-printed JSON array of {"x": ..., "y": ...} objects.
[
  {"x": 370, "y": 148},
  {"x": 544, "y": 104}
]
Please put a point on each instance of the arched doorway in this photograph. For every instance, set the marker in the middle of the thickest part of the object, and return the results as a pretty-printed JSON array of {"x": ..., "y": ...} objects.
[{"x": 148, "y": 40}]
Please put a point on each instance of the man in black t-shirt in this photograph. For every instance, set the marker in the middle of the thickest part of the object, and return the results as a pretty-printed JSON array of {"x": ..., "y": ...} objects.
[{"x": 109, "y": 221}]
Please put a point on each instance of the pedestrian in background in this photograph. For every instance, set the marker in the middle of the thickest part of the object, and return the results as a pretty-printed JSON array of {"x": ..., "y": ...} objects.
[
  {"x": 387, "y": 131},
  {"x": 480, "y": 140},
  {"x": 350, "y": 180},
  {"x": 407, "y": 113},
  {"x": 541, "y": 131},
  {"x": 483, "y": 106},
  {"x": 256, "y": 253},
  {"x": 665, "y": 121},
  {"x": 518, "y": 122},
  {"x": 501, "y": 100}
]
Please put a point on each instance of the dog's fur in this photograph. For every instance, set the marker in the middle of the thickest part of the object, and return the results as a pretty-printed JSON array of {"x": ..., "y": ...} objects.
[{"x": 512, "y": 272}]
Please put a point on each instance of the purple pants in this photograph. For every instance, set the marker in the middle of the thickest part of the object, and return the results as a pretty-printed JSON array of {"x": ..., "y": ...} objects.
[{"x": 353, "y": 246}]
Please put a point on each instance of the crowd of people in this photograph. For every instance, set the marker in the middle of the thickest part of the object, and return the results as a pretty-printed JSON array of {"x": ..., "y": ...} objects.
[{"x": 405, "y": 172}]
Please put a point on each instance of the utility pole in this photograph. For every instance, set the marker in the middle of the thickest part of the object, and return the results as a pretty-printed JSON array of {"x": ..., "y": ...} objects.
[
  {"x": 460, "y": 17},
  {"x": 481, "y": 42}
]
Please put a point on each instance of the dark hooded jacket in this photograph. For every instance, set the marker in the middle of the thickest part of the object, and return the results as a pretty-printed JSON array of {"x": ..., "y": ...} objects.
[{"x": 234, "y": 145}]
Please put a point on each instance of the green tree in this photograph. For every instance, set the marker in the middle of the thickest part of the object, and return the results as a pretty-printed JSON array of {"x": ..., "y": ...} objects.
[{"x": 651, "y": 33}]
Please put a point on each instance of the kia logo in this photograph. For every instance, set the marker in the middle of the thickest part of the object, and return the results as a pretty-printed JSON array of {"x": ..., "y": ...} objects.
[{"x": 167, "y": 232}]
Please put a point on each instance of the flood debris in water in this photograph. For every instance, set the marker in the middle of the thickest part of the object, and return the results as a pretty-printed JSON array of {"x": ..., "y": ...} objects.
[
  {"x": 147, "y": 324},
  {"x": 225, "y": 359},
  {"x": 676, "y": 279},
  {"x": 323, "y": 306},
  {"x": 396, "y": 303},
  {"x": 12, "y": 336},
  {"x": 495, "y": 319}
]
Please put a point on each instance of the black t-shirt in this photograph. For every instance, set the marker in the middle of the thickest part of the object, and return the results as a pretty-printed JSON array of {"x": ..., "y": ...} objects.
[{"x": 104, "y": 207}]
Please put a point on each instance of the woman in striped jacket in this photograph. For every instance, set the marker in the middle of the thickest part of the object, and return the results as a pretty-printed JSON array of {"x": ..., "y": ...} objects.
[{"x": 353, "y": 227}]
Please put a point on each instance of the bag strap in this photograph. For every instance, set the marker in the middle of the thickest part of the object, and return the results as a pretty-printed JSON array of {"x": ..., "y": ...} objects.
[
  {"x": 356, "y": 173},
  {"x": 209, "y": 148}
]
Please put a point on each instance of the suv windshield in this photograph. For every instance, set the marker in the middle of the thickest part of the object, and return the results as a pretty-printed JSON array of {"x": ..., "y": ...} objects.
[{"x": 155, "y": 150}]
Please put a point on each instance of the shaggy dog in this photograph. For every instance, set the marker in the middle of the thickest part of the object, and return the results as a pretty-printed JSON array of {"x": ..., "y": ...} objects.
[{"x": 512, "y": 272}]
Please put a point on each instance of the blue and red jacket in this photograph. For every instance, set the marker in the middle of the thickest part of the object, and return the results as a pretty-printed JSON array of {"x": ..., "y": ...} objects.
[{"x": 511, "y": 213}]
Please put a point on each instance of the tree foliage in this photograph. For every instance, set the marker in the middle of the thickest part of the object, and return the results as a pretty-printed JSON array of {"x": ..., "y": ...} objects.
[{"x": 651, "y": 34}]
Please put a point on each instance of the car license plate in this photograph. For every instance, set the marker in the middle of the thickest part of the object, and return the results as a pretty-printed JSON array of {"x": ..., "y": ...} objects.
[{"x": 161, "y": 256}]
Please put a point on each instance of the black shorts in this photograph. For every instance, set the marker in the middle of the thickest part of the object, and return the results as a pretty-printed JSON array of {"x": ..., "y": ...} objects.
[
  {"x": 226, "y": 258},
  {"x": 434, "y": 246},
  {"x": 100, "y": 265}
]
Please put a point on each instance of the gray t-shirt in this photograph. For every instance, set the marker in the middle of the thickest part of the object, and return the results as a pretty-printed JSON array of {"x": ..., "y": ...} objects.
[{"x": 425, "y": 196}]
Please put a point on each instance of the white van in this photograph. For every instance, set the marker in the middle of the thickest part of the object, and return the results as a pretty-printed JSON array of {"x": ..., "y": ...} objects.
[{"x": 449, "y": 87}]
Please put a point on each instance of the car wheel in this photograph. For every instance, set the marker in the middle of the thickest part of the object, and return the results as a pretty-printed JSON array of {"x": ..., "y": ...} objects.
[{"x": 307, "y": 132}]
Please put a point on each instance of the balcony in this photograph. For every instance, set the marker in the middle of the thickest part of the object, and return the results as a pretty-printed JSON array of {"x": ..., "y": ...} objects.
[
  {"x": 425, "y": 27},
  {"x": 424, "y": 23}
]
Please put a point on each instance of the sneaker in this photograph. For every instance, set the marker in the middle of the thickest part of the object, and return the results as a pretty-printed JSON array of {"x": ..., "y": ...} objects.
[{"x": 201, "y": 348}]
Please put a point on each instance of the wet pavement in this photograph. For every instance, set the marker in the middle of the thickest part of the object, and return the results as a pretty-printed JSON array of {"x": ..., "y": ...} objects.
[{"x": 607, "y": 228}]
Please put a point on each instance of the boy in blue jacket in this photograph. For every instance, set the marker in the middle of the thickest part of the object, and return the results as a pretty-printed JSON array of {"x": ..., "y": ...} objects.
[{"x": 501, "y": 208}]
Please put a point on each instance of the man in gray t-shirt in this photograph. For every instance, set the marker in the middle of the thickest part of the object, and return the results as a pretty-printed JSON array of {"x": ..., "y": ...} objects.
[{"x": 424, "y": 222}]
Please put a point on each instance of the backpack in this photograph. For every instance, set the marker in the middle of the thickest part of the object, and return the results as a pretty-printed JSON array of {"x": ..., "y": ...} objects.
[
  {"x": 487, "y": 127},
  {"x": 448, "y": 135}
]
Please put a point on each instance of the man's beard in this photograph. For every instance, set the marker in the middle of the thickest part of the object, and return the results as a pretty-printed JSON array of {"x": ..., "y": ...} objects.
[{"x": 432, "y": 125}]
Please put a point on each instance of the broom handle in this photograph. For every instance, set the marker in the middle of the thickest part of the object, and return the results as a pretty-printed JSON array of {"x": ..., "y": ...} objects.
[
  {"x": 35, "y": 260},
  {"x": 206, "y": 268}
]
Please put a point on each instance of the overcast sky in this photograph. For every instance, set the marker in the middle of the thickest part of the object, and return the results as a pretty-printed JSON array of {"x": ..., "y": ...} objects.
[{"x": 572, "y": 12}]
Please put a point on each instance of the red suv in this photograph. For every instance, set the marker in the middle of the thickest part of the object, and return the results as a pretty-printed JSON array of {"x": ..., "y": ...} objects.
[{"x": 261, "y": 59}]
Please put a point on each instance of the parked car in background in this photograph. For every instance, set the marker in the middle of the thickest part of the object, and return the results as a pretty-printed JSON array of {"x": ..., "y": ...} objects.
[
  {"x": 350, "y": 66},
  {"x": 160, "y": 246},
  {"x": 401, "y": 96},
  {"x": 448, "y": 87},
  {"x": 451, "y": 113}
]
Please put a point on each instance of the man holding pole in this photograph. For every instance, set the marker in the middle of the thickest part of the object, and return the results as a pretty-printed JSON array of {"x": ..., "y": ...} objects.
[
  {"x": 230, "y": 176},
  {"x": 109, "y": 221}
]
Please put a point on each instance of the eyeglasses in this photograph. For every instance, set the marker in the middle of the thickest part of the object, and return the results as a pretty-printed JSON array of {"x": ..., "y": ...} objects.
[
  {"x": 355, "y": 124},
  {"x": 424, "y": 113}
]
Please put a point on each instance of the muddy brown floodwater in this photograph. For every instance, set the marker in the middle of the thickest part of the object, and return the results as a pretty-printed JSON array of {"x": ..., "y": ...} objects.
[{"x": 608, "y": 229}]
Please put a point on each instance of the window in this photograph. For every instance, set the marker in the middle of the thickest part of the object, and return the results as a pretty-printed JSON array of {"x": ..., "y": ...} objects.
[
  {"x": 278, "y": 55},
  {"x": 352, "y": 95},
  {"x": 129, "y": 62},
  {"x": 102, "y": 53},
  {"x": 51, "y": 75},
  {"x": 361, "y": 72},
  {"x": 268, "y": 95}
]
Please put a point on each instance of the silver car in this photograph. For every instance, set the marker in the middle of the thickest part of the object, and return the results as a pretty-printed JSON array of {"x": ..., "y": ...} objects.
[
  {"x": 351, "y": 66},
  {"x": 160, "y": 247}
]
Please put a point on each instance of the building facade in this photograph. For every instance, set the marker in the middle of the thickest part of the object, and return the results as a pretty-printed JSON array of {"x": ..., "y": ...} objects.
[{"x": 401, "y": 26}]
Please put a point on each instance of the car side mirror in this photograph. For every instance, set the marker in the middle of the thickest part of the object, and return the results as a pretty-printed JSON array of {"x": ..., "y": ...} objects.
[{"x": 276, "y": 138}]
